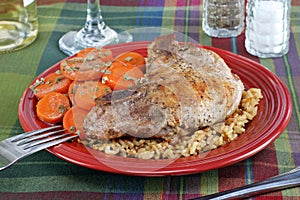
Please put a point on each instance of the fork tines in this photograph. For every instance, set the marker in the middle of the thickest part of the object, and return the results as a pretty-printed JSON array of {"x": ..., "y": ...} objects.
[{"x": 43, "y": 138}]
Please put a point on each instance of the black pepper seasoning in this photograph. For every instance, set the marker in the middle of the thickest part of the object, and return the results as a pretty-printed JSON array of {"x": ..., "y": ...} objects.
[{"x": 223, "y": 18}]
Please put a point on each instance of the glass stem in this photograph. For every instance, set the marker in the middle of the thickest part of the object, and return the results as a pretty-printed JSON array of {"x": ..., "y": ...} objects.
[
  {"x": 94, "y": 33},
  {"x": 94, "y": 22}
]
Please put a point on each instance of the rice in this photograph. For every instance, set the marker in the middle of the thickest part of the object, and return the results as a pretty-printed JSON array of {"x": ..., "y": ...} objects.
[{"x": 191, "y": 144}]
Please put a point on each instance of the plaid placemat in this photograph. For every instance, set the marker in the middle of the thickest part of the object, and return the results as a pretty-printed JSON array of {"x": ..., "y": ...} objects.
[{"x": 44, "y": 176}]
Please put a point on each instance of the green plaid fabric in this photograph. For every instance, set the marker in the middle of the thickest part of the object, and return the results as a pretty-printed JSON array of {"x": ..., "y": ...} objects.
[{"x": 44, "y": 176}]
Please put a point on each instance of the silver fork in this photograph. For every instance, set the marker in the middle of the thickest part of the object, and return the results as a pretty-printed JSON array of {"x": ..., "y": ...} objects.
[
  {"x": 14, "y": 148},
  {"x": 282, "y": 181}
]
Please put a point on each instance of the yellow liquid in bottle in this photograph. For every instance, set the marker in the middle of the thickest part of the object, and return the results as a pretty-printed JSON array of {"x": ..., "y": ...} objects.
[{"x": 18, "y": 25}]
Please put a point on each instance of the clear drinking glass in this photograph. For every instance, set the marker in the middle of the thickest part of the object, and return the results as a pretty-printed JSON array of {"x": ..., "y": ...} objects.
[
  {"x": 223, "y": 18},
  {"x": 267, "y": 27},
  {"x": 18, "y": 24},
  {"x": 95, "y": 33}
]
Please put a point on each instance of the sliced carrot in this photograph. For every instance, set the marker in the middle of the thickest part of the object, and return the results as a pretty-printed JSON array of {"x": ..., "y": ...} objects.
[
  {"x": 71, "y": 91},
  {"x": 120, "y": 76},
  {"x": 133, "y": 58},
  {"x": 52, "y": 107},
  {"x": 104, "y": 55},
  {"x": 88, "y": 91},
  {"x": 73, "y": 119},
  {"x": 68, "y": 121},
  {"x": 88, "y": 68},
  {"x": 70, "y": 67},
  {"x": 72, "y": 88},
  {"x": 82, "y": 53},
  {"x": 54, "y": 82}
]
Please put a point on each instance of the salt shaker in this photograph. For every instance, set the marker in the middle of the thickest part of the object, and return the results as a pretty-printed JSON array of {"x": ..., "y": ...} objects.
[
  {"x": 223, "y": 18},
  {"x": 268, "y": 27}
]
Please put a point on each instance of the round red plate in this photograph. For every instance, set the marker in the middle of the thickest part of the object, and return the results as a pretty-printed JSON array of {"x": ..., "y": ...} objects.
[{"x": 274, "y": 113}]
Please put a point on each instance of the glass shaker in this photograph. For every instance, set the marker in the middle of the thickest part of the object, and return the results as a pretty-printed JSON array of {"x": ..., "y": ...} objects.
[
  {"x": 223, "y": 18},
  {"x": 267, "y": 27}
]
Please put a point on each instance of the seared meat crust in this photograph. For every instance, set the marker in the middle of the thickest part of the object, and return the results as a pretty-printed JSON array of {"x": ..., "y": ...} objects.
[{"x": 185, "y": 88}]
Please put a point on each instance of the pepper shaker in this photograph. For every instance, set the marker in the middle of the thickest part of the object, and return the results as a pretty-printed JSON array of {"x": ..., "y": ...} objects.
[
  {"x": 267, "y": 27},
  {"x": 223, "y": 18}
]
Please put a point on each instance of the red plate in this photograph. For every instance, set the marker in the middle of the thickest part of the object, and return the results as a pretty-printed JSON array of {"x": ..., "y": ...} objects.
[{"x": 274, "y": 113}]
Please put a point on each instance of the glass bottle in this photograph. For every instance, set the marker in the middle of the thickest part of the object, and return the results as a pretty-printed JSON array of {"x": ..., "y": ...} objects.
[
  {"x": 267, "y": 27},
  {"x": 223, "y": 18},
  {"x": 18, "y": 24}
]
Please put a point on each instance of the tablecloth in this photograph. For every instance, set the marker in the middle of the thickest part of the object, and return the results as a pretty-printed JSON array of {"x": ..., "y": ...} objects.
[{"x": 44, "y": 176}]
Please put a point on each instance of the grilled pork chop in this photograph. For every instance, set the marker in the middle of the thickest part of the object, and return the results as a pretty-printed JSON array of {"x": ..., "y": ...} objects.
[{"x": 185, "y": 88}]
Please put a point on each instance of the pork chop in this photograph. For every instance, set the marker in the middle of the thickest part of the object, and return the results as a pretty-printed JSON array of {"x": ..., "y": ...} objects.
[{"x": 185, "y": 88}]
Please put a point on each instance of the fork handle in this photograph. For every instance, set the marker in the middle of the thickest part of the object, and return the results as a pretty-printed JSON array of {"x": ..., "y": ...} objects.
[{"x": 286, "y": 180}]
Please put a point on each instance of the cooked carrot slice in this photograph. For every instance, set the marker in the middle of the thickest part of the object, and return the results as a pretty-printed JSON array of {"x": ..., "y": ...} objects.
[
  {"x": 88, "y": 91},
  {"x": 54, "y": 82},
  {"x": 71, "y": 91},
  {"x": 120, "y": 76},
  {"x": 133, "y": 58},
  {"x": 72, "y": 88},
  {"x": 70, "y": 67},
  {"x": 104, "y": 55},
  {"x": 52, "y": 107},
  {"x": 88, "y": 68},
  {"x": 73, "y": 119},
  {"x": 84, "y": 52}
]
